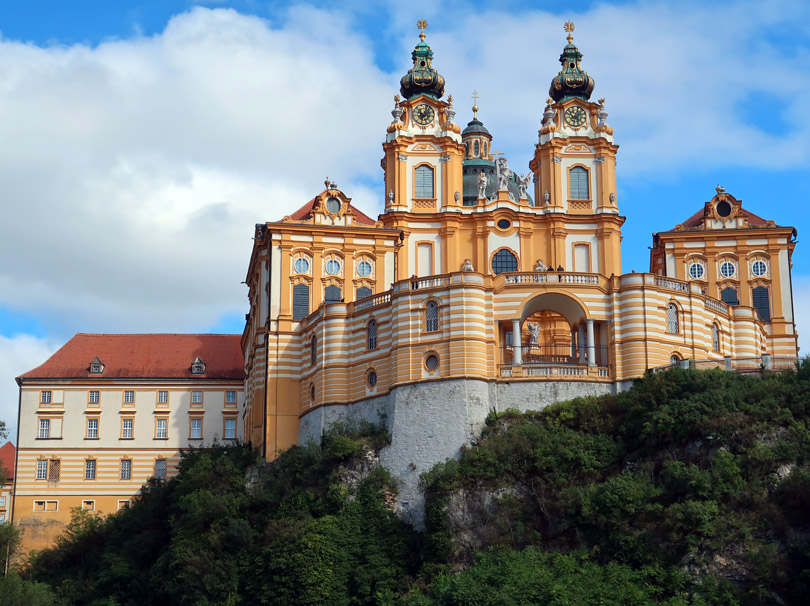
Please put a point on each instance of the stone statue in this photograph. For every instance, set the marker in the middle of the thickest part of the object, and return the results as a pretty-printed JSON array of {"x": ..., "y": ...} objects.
[
  {"x": 534, "y": 331},
  {"x": 524, "y": 184},
  {"x": 468, "y": 266},
  {"x": 503, "y": 174},
  {"x": 482, "y": 185},
  {"x": 540, "y": 266},
  {"x": 397, "y": 111},
  {"x": 546, "y": 198}
]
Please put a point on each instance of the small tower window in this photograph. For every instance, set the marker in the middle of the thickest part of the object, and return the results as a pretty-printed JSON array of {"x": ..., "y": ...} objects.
[
  {"x": 476, "y": 149},
  {"x": 372, "y": 334},
  {"x": 672, "y": 319},
  {"x": 198, "y": 366},
  {"x": 423, "y": 185},
  {"x": 432, "y": 316},
  {"x": 300, "y": 301},
  {"x": 579, "y": 184},
  {"x": 485, "y": 150}
]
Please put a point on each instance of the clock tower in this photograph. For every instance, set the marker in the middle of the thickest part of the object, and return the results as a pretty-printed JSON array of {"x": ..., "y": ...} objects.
[
  {"x": 574, "y": 168},
  {"x": 422, "y": 164}
]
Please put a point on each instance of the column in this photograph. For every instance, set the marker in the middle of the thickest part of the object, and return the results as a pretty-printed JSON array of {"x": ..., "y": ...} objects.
[
  {"x": 517, "y": 356},
  {"x": 573, "y": 342},
  {"x": 581, "y": 342},
  {"x": 591, "y": 347}
]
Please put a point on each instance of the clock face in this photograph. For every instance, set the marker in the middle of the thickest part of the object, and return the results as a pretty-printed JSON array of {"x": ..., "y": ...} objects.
[
  {"x": 575, "y": 116},
  {"x": 423, "y": 114}
]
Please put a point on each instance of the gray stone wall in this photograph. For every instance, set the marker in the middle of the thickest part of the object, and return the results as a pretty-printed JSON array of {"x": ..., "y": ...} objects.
[{"x": 429, "y": 422}]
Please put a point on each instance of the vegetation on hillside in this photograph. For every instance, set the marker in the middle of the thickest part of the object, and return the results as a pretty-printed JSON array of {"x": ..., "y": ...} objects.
[{"x": 692, "y": 488}]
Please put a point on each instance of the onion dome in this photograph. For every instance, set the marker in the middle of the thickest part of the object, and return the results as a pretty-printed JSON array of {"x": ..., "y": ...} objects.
[
  {"x": 422, "y": 79},
  {"x": 572, "y": 82}
]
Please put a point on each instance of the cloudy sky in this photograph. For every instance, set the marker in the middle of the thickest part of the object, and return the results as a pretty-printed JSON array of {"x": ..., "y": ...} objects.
[{"x": 139, "y": 145}]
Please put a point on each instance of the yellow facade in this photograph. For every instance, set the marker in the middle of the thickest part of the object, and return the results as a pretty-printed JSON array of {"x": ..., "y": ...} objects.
[{"x": 483, "y": 274}]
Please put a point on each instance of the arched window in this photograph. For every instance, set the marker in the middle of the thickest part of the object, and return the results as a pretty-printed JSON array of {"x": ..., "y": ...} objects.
[
  {"x": 364, "y": 291},
  {"x": 467, "y": 149},
  {"x": 476, "y": 149},
  {"x": 300, "y": 301},
  {"x": 762, "y": 303},
  {"x": 578, "y": 177},
  {"x": 715, "y": 338},
  {"x": 423, "y": 182},
  {"x": 372, "y": 334},
  {"x": 431, "y": 316},
  {"x": 331, "y": 294},
  {"x": 504, "y": 260},
  {"x": 672, "y": 319},
  {"x": 485, "y": 150},
  {"x": 674, "y": 360},
  {"x": 313, "y": 350},
  {"x": 729, "y": 295}
]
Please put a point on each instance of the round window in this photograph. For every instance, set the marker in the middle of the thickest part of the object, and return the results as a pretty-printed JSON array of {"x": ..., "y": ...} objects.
[
  {"x": 301, "y": 265},
  {"x": 723, "y": 208},
  {"x": 372, "y": 379},
  {"x": 696, "y": 271},
  {"x": 333, "y": 205},
  {"x": 364, "y": 268},
  {"x": 504, "y": 224},
  {"x": 759, "y": 268},
  {"x": 432, "y": 362},
  {"x": 333, "y": 267},
  {"x": 727, "y": 269}
]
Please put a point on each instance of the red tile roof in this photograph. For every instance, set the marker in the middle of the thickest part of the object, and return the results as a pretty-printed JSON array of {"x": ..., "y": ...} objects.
[
  {"x": 696, "y": 220},
  {"x": 7, "y": 452},
  {"x": 151, "y": 356},
  {"x": 305, "y": 213}
]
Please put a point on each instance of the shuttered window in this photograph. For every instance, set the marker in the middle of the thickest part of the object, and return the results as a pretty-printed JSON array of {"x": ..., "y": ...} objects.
[
  {"x": 300, "y": 301},
  {"x": 729, "y": 295},
  {"x": 364, "y": 291},
  {"x": 762, "y": 303},
  {"x": 423, "y": 185},
  {"x": 579, "y": 184},
  {"x": 331, "y": 294}
]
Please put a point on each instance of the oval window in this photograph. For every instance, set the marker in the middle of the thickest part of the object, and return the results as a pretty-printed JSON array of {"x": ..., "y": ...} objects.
[
  {"x": 364, "y": 269},
  {"x": 696, "y": 271},
  {"x": 727, "y": 269},
  {"x": 333, "y": 267},
  {"x": 759, "y": 268},
  {"x": 372, "y": 379},
  {"x": 504, "y": 224},
  {"x": 723, "y": 209},
  {"x": 301, "y": 265},
  {"x": 333, "y": 205},
  {"x": 432, "y": 362}
]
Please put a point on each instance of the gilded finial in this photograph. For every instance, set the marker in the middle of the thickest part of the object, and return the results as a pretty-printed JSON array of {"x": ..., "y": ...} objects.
[
  {"x": 450, "y": 99},
  {"x": 549, "y": 101},
  {"x": 397, "y": 99},
  {"x": 569, "y": 27},
  {"x": 475, "y": 104},
  {"x": 602, "y": 102},
  {"x": 422, "y": 25}
]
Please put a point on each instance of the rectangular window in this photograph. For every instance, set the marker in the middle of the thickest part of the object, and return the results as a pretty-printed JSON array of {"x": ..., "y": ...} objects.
[
  {"x": 54, "y": 469},
  {"x": 2, "y": 501},
  {"x": 129, "y": 396},
  {"x": 230, "y": 397},
  {"x": 161, "y": 428},
  {"x": 582, "y": 258},
  {"x": 2, "y": 518},
  {"x": 126, "y": 469},
  {"x": 423, "y": 182},
  {"x": 42, "y": 469},
  {"x": 196, "y": 397},
  {"x": 45, "y": 397},
  {"x": 163, "y": 397},
  {"x": 123, "y": 504},
  {"x": 89, "y": 505},
  {"x": 196, "y": 429},
  {"x": 92, "y": 429},
  {"x": 230, "y": 429},
  {"x": 160, "y": 469},
  {"x": 424, "y": 259},
  {"x": 51, "y": 505},
  {"x": 90, "y": 469},
  {"x": 300, "y": 301},
  {"x": 93, "y": 397},
  {"x": 44, "y": 429},
  {"x": 39, "y": 505},
  {"x": 126, "y": 429}
]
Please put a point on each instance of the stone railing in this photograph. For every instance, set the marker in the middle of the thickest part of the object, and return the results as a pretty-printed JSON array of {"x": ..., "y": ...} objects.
[
  {"x": 373, "y": 301},
  {"x": 554, "y": 277},
  {"x": 716, "y": 305},
  {"x": 671, "y": 284}
]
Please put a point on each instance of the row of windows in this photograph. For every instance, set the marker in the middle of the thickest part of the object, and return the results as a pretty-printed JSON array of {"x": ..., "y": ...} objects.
[
  {"x": 161, "y": 429},
  {"x": 51, "y": 469},
  {"x": 88, "y": 505},
  {"x": 162, "y": 397},
  {"x": 332, "y": 267},
  {"x": 331, "y": 294},
  {"x": 728, "y": 269},
  {"x": 673, "y": 326}
]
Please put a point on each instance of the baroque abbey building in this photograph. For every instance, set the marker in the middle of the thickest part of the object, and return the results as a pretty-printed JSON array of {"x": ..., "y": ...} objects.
[{"x": 477, "y": 289}]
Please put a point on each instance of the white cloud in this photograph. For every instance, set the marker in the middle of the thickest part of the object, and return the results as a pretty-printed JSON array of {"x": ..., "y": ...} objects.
[{"x": 18, "y": 354}]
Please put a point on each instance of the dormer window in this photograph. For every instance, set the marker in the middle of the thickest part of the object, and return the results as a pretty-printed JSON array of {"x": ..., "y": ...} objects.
[
  {"x": 198, "y": 366},
  {"x": 96, "y": 367}
]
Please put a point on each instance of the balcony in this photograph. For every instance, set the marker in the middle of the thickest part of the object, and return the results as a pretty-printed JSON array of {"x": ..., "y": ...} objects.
[{"x": 555, "y": 362}]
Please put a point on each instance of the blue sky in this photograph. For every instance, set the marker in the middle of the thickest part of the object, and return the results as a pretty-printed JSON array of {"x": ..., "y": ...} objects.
[{"x": 143, "y": 140}]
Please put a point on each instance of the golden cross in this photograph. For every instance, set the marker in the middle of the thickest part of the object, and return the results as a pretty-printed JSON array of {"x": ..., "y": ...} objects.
[
  {"x": 475, "y": 104},
  {"x": 422, "y": 25}
]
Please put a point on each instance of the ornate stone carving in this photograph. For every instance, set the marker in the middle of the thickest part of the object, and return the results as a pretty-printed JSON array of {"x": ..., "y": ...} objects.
[
  {"x": 546, "y": 198},
  {"x": 483, "y": 181},
  {"x": 523, "y": 184},
  {"x": 468, "y": 266}
]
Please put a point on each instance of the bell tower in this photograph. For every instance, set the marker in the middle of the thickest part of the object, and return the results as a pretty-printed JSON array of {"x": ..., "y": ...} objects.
[{"x": 574, "y": 168}]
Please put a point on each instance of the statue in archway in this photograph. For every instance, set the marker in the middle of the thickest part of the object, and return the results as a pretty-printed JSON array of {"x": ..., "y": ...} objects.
[{"x": 534, "y": 331}]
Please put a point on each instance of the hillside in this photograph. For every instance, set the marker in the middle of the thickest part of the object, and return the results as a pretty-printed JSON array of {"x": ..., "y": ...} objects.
[{"x": 692, "y": 488}]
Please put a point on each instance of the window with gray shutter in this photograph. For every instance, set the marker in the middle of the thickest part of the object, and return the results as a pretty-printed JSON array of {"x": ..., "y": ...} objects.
[
  {"x": 762, "y": 302},
  {"x": 364, "y": 291},
  {"x": 331, "y": 294},
  {"x": 423, "y": 182},
  {"x": 300, "y": 301},
  {"x": 579, "y": 184},
  {"x": 729, "y": 295}
]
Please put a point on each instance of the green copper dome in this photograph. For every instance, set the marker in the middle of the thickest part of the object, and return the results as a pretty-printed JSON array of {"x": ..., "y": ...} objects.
[
  {"x": 422, "y": 79},
  {"x": 572, "y": 82},
  {"x": 475, "y": 126}
]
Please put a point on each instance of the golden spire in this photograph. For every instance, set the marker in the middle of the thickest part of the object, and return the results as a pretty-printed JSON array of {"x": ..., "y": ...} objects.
[
  {"x": 422, "y": 25},
  {"x": 475, "y": 105},
  {"x": 569, "y": 27}
]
